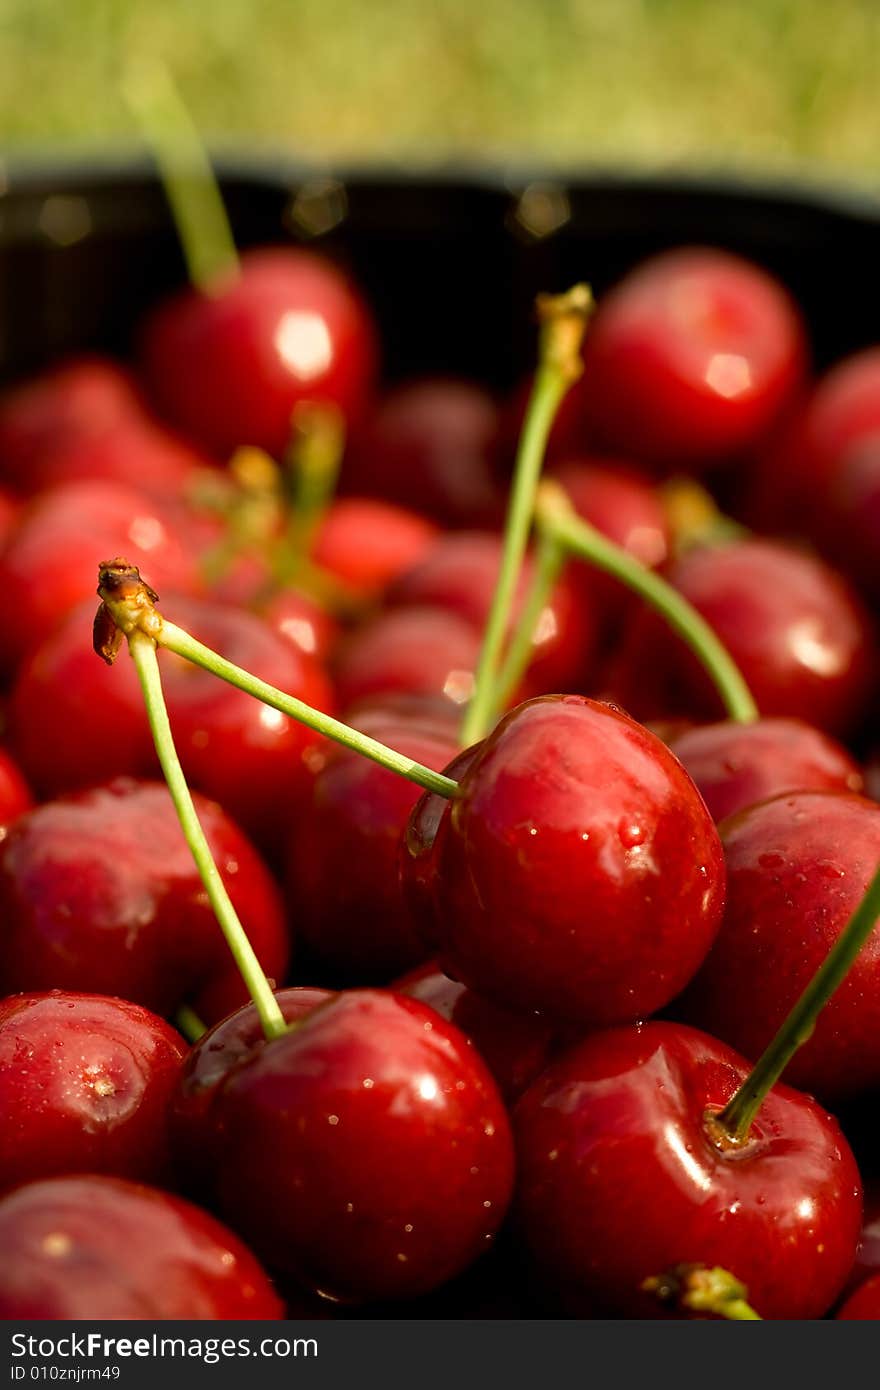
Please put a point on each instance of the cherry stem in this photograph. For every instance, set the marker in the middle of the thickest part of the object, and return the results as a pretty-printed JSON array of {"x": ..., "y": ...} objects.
[
  {"x": 187, "y": 1022},
  {"x": 314, "y": 456},
  {"x": 700, "y": 1290},
  {"x": 143, "y": 652},
  {"x": 549, "y": 559},
  {"x": 556, "y": 517},
  {"x": 187, "y": 175},
  {"x": 563, "y": 319},
  {"x": 179, "y": 641},
  {"x": 734, "y": 1121}
]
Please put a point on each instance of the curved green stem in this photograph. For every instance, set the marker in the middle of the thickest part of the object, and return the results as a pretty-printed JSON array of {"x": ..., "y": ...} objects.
[
  {"x": 556, "y": 517},
  {"x": 143, "y": 651},
  {"x": 734, "y": 1121},
  {"x": 564, "y": 320},
  {"x": 698, "y": 1289},
  {"x": 177, "y": 640},
  {"x": 549, "y": 559},
  {"x": 187, "y": 175}
]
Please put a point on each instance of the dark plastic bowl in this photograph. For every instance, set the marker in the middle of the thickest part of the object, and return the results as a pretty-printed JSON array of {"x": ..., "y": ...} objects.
[{"x": 451, "y": 262}]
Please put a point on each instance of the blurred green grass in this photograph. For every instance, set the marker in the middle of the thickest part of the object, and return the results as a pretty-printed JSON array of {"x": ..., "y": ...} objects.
[{"x": 757, "y": 85}]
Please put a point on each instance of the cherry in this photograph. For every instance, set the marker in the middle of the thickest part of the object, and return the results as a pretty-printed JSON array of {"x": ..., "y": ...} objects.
[
  {"x": 797, "y": 866},
  {"x": 96, "y": 1247},
  {"x": 48, "y": 564},
  {"x": 342, "y": 876},
  {"x": 430, "y": 445},
  {"x": 10, "y": 511},
  {"x": 15, "y": 796},
  {"x": 578, "y": 870},
  {"x": 622, "y": 1175},
  {"x": 691, "y": 359},
  {"x": 76, "y": 401},
  {"x": 367, "y": 1152},
  {"x": 368, "y": 543},
  {"x": 413, "y": 651},
  {"x": 228, "y": 367},
  {"x": 864, "y": 1304},
  {"x": 85, "y": 1084},
  {"x": 798, "y": 634},
  {"x": 459, "y": 572},
  {"x": 516, "y": 1047},
  {"x": 136, "y": 452},
  {"x": 304, "y": 622},
  {"x": 99, "y": 893},
  {"x": 418, "y": 851},
  {"x": 734, "y": 765}
]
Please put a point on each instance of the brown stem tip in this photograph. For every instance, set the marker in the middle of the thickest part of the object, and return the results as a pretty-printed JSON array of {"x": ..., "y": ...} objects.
[
  {"x": 126, "y": 604},
  {"x": 563, "y": 319}
]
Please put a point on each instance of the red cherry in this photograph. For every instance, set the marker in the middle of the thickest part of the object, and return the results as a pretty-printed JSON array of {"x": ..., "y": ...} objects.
[
  {"x": 367, "y": 543},
  {"x": 418, "y": 851},
  {"x": 136, "y": 452},
  {"x": 49, "y": 563},
  {"x": 515, "y": 1047},
  {"x": 735, "y": 765},
  {"x": 412, "y": 651},
  {"x": 229, "y": 367},
  {"x": 342, "y": 877},
  {"x": 578, "y": 871},
  {"x": 620, "y": 1177},
  {"x": 799, "y": 635},
  {"x": 864, "y": 1304},
  {"x": 797, "y": 867},
  {"x": 15, "y": 797},
  {"x": 691, "y": 359},
  {"x": 459, "y": 572},
  {"x": 430, "y": 445},
  {"x": 99, "y": 893},
  {"x": 302, "y": 621},
  {"x": 367, "y": 1152},
  {"x": 10, "y": 511},
  {"x": 85, "y": 1084},
  {"x": 88, "y": 1248},
  {"x": 78, "y": 400}
]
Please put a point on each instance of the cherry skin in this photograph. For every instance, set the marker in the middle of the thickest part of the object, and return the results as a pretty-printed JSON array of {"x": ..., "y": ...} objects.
[
  {"x": 459, "y": 572},
  {"x": 15, "y": 796},
  {"x": 229, "y": 367},
  {"x": 418, "y": 851},
  {"x": 92, "y": 1247},
  {"x": 99, "y": 893},
  {"x": 797, "y": 867},
  {"x": 691, "y": 359},
  {"x": 430, "y": 444},
  {"x": 367, "y": 1152},
  {"x": 228, "y": 1042},
  {"x": 342, "y": 878},
  {"x": 136, "y": 451},
  {"x": 797, "y": 632},
  {"x": 367, "y": 543},
  {"x": 864, "y": 1304},
  {"x": 85, "y": 1086},
  {"x": 411, "y": 651},
  {"x": 620, "y": 1176},
  {"x": 735, "y": 765},
  {"x": 50, "y": 561},
  {"x": 516, "y": 1047},
  {"x": 10, "y": 511},
  {"x": 79, "y": 400},
  {"x": 301, "y": 620},
  {"x": 578, "y": 871}
]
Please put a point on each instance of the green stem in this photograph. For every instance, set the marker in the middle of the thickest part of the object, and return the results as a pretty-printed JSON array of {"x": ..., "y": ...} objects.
[
  {"x": 564, "y": 320},
  {"x": 549, "y": 559},
  {"x": 179, "y": 641},
  {"x": 314, "y": 457},
  {"x": 735, "y": 1120},
  {"x": 187, "y": 1022},
  {"x": 556, "y": 517},
  {"x": 143, "y": 653},
  {"x": 700, "y": 1290},
  {"x": 187, "y": 176}
]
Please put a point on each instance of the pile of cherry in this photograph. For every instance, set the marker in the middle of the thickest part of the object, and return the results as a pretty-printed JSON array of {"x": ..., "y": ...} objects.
[{"x": 497, "y": 1098}]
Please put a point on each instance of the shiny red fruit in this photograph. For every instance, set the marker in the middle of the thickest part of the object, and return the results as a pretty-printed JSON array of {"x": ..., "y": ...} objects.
[
  {"x": 735, "y": 765},
  {"x": 864, "y": 1304},
  {"x": 579, "y": 873},
  {"x": 797, "y": 867},
  {"x": 97, "y": 1248},
  {"x": 15, "y": 796},
  {"x": 304, "y": 622},
  {"x": 367, "y": 1152},
  {"x": 620, "y": 1178},
  {"x": 99, "y": 893},
  {"x": 691, "y": 359},
  {"x": 408, "y": 651},
  {"x": 228, "y": 368},
  {"x": 85, "y": 1086},
  {"x": 137, "y": 453},
  {"x": 366, "y": 543},
  {"x": 798, "y": 633}
]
